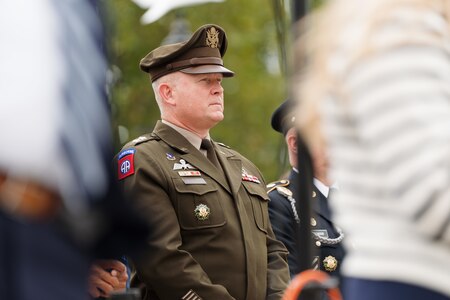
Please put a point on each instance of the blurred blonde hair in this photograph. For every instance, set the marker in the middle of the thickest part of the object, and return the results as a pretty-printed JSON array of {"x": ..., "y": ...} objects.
[{"x": 343, "y": 26}]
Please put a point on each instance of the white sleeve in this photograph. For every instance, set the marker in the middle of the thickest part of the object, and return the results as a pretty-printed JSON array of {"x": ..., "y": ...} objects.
[{"x": 400, "y": 106}]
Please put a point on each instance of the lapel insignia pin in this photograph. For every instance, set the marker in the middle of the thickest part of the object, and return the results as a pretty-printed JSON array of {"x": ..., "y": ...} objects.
[
  {"x": 202, "y": 212},
  {"x": 330, "y": 263},
  {"x": 170, "y": 156}
]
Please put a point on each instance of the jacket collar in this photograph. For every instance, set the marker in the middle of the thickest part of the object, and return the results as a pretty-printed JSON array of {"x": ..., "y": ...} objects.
[{"x": 231, "y": 165}]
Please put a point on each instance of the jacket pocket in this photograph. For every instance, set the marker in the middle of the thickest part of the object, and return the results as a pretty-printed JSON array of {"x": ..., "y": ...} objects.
[
  {"x": 198, "y": 206},
  {"x": 259, "y": 200}
]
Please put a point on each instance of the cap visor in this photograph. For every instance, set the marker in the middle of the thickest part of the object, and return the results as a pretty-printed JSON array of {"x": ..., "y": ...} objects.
[{"x": 206, "y": 69}]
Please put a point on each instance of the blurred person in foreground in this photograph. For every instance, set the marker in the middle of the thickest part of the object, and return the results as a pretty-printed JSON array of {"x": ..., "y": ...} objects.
[
  {"x": 327, "y": 237},
  {"x": 376, "y": 93},
  {"x": 209, "y": 204},
  {"x": 58, "y": 204}
]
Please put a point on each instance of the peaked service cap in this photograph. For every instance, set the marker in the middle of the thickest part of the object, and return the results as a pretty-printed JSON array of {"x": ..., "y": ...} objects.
[
  {"x": 201, "y": 54},
  {"x": 283, "y": 118}
]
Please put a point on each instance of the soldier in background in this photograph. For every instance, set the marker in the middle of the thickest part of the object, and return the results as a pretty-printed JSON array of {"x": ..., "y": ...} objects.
[{"x": 327, "y": 237}]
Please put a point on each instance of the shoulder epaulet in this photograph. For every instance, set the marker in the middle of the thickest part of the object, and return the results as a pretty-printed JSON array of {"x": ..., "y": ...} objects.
[
  {"x": 223, "y": 145},
  {"x": 143, "y": 139},
  {"x": 273, "y": 185}
]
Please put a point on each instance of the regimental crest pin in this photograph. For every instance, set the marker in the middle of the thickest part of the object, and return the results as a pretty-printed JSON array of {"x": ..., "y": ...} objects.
[
  {"x": 170, "y": 156},
  {"x": 212, "y": 37},
  {"x": 330, "y": 263},
  {"x": 202, "y": 212}
]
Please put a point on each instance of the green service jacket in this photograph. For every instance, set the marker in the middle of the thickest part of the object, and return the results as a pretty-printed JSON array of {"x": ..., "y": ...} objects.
[{"x": 211, "y": 236}]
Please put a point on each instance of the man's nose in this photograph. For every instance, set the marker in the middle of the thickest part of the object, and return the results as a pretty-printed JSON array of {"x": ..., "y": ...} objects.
[{"x": 218, "y": 89}]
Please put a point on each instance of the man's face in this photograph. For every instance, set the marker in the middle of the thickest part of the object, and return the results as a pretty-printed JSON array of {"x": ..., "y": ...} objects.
[{"x": 199, "y": 100}]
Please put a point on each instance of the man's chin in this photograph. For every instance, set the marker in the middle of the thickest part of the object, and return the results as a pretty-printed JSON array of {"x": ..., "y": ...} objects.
[{"x": 217, "y": 117}]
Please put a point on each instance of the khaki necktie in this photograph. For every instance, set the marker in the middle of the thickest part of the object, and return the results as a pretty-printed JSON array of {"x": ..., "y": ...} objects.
[{"x": 210, "y": 153}]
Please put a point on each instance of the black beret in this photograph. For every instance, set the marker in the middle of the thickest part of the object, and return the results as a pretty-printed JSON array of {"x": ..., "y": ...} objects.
[
  {"x": 201, "y": 54},
  {"x": 283, "y": 118}
]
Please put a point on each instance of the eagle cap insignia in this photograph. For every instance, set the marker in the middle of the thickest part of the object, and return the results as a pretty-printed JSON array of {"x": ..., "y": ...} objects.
[
  {"x": 202, "y": 212},
  {"x": 212, "y": 37}
]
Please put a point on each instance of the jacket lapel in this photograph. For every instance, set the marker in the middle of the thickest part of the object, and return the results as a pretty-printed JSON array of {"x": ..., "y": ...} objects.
[
  {"x": 232, "y": 168},
  {"x": 197, "y": 159},
  {"x": 321, "y": 206},
  {"x": 190, "y": 154}
]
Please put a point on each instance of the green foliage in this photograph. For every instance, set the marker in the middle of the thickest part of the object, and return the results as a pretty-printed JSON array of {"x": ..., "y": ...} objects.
[{"x": 250, "y": 97}]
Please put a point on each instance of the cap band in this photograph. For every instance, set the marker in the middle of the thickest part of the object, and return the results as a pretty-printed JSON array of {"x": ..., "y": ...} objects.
[{"x": 195, "y": 62}]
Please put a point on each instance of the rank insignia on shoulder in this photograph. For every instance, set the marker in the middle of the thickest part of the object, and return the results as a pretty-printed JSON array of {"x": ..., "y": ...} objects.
[
  {"x": 248, "y": 177},
  {"x": 223, "y": 145},
  {"x": 273, "y": 185},
  {"x": 139, "y": 139},
  {"x": 202, "y": 212},
  {"x": 125, "y": 163},
  {"x": 284, "y": 191},
  {"x": 330, "y": 263}
]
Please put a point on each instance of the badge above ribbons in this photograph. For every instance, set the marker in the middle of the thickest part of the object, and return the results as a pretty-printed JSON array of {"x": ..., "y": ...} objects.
[{"x": 182, "y": 165}]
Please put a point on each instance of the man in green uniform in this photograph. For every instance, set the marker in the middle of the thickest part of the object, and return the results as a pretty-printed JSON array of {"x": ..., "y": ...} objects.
[{"x": 207, "y": 204}]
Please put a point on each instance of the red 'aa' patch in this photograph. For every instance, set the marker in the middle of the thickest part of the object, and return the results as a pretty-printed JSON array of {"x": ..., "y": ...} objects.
[{"x": 125, "y": 166}]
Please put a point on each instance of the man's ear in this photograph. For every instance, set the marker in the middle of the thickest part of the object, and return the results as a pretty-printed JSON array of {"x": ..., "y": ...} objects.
[
  {"x": 291, "y": 139},
  {"x": 166, "y": 93}
]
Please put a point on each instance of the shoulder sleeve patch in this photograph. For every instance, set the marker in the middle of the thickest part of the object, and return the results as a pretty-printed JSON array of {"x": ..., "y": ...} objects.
[
  {"x": 273, "y": 185},
  {"x": 125, "y": 162}
]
